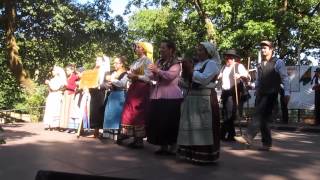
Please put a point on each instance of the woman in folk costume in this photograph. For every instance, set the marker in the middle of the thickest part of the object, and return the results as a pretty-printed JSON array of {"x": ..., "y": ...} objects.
[
  {"x": 97, "y": 97},
  {"x": 52, "y": 112},
  {"x": 117, "y": 84},
  {"x": 198, "y": 136},
  {"x": 76, "y": 113},
  {"x": 69, "y": 92},
  {"x": 166, "y": 98},
  {"x": 135, "y": 110}
]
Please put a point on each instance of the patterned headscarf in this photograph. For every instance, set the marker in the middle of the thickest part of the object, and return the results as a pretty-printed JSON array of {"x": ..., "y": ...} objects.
[
  {"x": 212, "y": 51},
  {"x": 148, "y": 48}
]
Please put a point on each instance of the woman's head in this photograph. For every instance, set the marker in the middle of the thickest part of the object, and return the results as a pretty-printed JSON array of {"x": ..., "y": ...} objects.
[
  {"x": 119, "y": 62},
  {"x": 56, "y": 70},
  {"x": 60, "y": 73},
  {"x": 70, "y": 69},
  {"x": 144, "y": 48},
  {"x": 202, "y": 53},
  {"x": 167, "y": 49},
  {"x": 208, "y": 50}
]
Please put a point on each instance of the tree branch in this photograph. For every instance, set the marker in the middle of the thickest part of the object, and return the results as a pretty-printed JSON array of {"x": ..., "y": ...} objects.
[{"x": 316, "y": 9}]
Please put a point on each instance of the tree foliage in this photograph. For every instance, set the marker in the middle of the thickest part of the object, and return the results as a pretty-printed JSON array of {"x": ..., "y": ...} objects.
[
  {"x": 292, "y": 25},
  {"x": 60, "y": 32}
]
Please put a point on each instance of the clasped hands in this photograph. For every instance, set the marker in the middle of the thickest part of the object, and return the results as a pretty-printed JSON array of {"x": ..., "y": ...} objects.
[{"x": 153, "y": 68}]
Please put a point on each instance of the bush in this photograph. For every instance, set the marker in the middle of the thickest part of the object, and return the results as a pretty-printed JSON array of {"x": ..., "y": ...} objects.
[{"x": 33, "y": 104}]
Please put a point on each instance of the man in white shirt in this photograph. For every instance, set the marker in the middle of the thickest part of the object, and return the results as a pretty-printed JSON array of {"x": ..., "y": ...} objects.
[{"x": 230, "y": 75}]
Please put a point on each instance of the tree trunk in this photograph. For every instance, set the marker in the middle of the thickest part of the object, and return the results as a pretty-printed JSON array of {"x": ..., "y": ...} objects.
[
  {"x": 12, "y": 54},
  {"x": 206, "y": 21}
]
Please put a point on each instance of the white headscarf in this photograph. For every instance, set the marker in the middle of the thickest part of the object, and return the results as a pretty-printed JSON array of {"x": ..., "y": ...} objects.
[
  {"x": 212, "y": 50},
  {"x": 61, "y": 74},
  {"x": 59, "y": 80}
]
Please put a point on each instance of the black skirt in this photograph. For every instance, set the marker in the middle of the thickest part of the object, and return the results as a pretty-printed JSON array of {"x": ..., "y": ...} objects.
[
  {"x": 163, "y": 121},
  {"x": 97, "y": 108}
]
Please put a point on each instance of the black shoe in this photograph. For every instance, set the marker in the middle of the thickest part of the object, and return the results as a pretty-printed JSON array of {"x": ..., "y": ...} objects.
[
  {"x": 136, "y": 145},
  {"x": 230, "y": 139},
  {"x": 170, "y": 153},
  {"x": 223, "y": 138},
  {"x": 121, "y": 138},
  {"x": 71, "y": 131},
  {"x": 160, "y": 152},
  {"x": 265, "y": 148}
]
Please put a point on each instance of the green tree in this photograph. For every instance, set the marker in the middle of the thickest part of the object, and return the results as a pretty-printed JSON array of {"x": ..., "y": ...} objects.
[
  {"x": 55, "y": 32},
  {"x": 242, "y": 24}
]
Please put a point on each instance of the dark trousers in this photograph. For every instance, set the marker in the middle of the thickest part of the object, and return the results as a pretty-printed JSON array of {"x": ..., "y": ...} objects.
[
  {"x": 317, "y": 106},
  {"x": 263, "y": 114},
  {"x": 284, "y": 107},
  {"x": 229, "y": 110}
]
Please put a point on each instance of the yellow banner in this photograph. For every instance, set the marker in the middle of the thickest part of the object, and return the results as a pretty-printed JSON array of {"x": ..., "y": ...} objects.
[{"x": 89, "y": 79}]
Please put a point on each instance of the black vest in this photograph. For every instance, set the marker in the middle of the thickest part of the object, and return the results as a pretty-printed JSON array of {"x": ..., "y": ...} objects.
[
  {"x": 115, "y": 88},
  {"x": 269, "y": 79}
]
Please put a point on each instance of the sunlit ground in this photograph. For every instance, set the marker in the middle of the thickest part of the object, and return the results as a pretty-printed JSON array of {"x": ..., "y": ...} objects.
[{"x": 29, "y": 147}]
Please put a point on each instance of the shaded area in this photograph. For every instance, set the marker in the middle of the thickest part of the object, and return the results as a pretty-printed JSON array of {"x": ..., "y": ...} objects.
[{"x": 294, "y": 156}]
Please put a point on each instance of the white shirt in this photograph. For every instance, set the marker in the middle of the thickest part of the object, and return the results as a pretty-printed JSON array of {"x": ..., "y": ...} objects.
[{"x": 227, "y": 80}]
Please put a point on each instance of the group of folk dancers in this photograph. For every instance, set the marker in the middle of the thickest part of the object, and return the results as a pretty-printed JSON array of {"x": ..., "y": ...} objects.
[{"x": 171, "y": 103}]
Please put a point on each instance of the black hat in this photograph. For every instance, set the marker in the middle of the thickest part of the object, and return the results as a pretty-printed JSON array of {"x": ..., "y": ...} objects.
[
  {"x": 317, "y": 70},
  {"x": 266, "y": 43},
  {"x": 232, "y": 52}
]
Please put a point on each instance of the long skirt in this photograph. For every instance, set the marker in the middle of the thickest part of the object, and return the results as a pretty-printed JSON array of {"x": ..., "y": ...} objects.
[
  {"x": 67, "y": 104},
  {"x": 135, "y": 110},
  {"x": 163, "y": 122},
  {"x": 75, "y": 114},
  {"x": 113, "y": 111},
  {"x": 52, "y": 111},
  {"x": 85, "y": 109},
  {"x": 96, "y": 108},
  {"x": 198, "y": 137}
]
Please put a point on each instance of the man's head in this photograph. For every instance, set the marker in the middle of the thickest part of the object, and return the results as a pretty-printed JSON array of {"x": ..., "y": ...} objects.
[
  {"x": 266, "y": 49},
  {"x": 231, "y": 56}
]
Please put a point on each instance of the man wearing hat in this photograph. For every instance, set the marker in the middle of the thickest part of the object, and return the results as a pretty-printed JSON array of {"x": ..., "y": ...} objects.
[
  {"x": 316, "y": 88},
  {"x": 270, "y": 74},
  {"x": 230, "y": 75}
]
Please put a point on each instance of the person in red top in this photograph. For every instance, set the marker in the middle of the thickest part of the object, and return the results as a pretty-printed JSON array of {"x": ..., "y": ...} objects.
[
  {"x": 70, "y": 89},
  {"x": 72, "y": 78}
]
